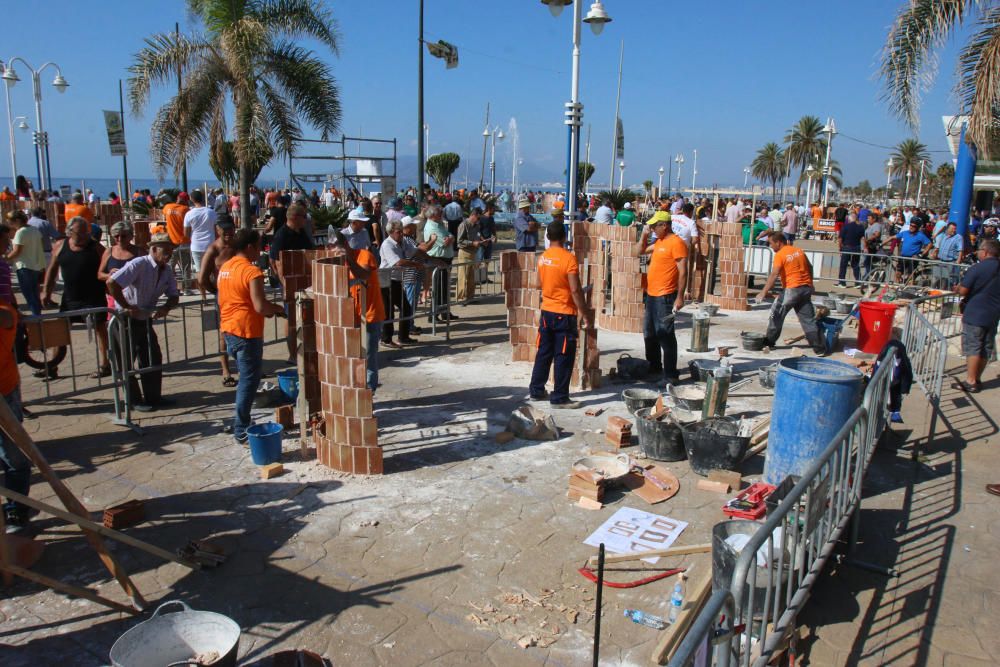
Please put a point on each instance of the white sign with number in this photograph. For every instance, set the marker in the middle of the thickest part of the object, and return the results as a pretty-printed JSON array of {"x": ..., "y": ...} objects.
[{"x": 631, "y": 530}]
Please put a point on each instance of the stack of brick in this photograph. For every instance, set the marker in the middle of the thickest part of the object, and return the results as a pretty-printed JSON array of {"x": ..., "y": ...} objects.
[
  {"x": 296, "y": 276},
  {"x": 350, "y": 439},
  {"x": 522, "y": 296},
  {"x": 619, "y": 432},
  {"x": 731, "y": 271}
]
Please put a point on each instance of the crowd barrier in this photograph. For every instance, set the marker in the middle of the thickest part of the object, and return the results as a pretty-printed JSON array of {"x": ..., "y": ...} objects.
[
  {"x": 874, "y": 269},
  {"x": 748, "y": 622}
]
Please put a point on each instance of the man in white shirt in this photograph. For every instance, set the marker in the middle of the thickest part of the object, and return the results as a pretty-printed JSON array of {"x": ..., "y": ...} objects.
[
  {"x": 733, "y": 211},
  {"x": 328, "y": 198},
  {"x": 686, "y": 229},
  {"x": 605, "y": 215},
  {"x": 676, "y": 206},
  {"x": 199, "y": 226}
]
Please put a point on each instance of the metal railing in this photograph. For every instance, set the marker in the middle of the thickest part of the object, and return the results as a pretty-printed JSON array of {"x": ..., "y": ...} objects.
[
  {"x": 794, "y": 542},
  {"x": 873, "y": 268}
]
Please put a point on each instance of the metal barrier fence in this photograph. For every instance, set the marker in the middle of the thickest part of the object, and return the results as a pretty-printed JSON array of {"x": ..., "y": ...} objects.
[
  {"x": 873, "y": 269},
  {"x": 794, "y": 544}
]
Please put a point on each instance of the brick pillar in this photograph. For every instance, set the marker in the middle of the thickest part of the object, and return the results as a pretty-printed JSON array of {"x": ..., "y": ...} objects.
[
  {"x": 732, "y": 275},
  {"x": 350, "y": 439}
]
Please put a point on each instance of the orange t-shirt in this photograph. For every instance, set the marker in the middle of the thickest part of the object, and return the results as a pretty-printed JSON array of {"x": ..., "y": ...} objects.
[
  {"x": 661, "y": 278},
  {"x": 794, "y": 267},
  {"x": 79, "y": 210},
  {"x": 8, "y": 196},
  {"x": 375, "y": 309},
  {"x": 9, "y": 375},
  {"x": 174, "y": 214},
  {"x": 554, "y": 267},
  {"x": 817, "y": 213},
  {"x": 237, "y": 314}
]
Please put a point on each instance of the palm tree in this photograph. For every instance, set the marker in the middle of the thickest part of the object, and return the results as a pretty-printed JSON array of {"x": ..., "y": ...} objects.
[
  {"x": 909, "y": 62},
  {"x": 906, "y": 160},
  {"x": 246, "y": 67},
  {"x": 806, "y": 145},
  {"x": 441, "y": 166},
  {"x": 769, "y": 165}
]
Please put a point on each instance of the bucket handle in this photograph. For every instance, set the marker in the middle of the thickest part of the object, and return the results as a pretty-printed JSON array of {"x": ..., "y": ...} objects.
[{"x": 167, "y": 604}]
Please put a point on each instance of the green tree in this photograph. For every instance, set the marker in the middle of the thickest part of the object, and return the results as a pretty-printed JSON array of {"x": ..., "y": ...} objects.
[
  {"x": 910, "y": 59},
  {"x": 440, "y": 167},
  {"x": 226, "y": 167},
  {"x": 245, "y": 66},
  {"x": 806, "y": 146},
  {"x": 769, "y": 165},
  {"x": 648, "y": 186},
  {"x": 583, "y": 173},
  {"x": 863, "y": 189},
  {"x": 617, "y": 197},
  {"x": 906, "y": 161}
]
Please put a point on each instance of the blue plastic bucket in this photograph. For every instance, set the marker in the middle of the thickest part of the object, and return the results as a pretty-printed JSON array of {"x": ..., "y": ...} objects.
[
  {"x": 288, "y": 383},
  {"x": 265, "y": 443},
  {"x": 813, "y": 399}
]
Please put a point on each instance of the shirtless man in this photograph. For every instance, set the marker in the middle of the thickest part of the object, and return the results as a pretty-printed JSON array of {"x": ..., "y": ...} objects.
[{"x": 218, "y": 254}]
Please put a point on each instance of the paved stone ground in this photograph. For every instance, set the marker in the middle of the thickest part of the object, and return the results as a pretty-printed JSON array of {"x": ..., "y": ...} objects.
[{"x": 475, "y": 544}]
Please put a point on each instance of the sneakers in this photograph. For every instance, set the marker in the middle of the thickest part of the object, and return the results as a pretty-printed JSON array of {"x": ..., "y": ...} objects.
[
  {"x": 566, "y": 405},
  {"x": 16, "y": 520},
  {"x": 143, "y": 407},
  {"x": 538, "y": 397},
  {"x": 895, "y": 418},
  {"x": 243, "y": 442}
]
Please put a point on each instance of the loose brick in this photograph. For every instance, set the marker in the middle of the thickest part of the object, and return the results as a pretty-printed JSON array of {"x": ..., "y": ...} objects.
[
  {"x": 271, "y": 470},
  {"x": 285, "y": 415}
]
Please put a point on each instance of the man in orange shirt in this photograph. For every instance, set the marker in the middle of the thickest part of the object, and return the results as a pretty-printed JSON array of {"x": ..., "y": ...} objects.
[
  {"x": 242, "y": 309},
  {"x": 666, "y": 275},
  {"x": 76, "y": 208},
  {"x": 562, "y": 301},
  {"x": 15, "y": 465},
  {"x": 795, "y": 271},
  {"x": 364, "y": 272},
  {"x": 174, "y": 213}
]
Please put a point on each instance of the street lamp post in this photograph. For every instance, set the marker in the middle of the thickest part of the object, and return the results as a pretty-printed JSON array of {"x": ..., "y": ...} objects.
[
  {"x": 680, "y": 163},
  {"x": 495, "y": 135},
  {"x": 830, "y": 130},
  {"x": 888, "y": 179},
  {"x": 810, "y": 170},
  {"x": 11, "y": 78},
  {"x": 621, "y": 174},
  {"x": 694, "y": 173},
  {"x": 596, "y": 18},
  {"x": 746, "y": 176},
  {"x": 906, "y": 188},
  {"x": 659, "y": 185}
]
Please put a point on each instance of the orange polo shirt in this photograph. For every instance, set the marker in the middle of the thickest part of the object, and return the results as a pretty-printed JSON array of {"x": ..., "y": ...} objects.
[
  {"x": 174, "y": 214},
  {"x": 554, "y": 268},
  {"x": 9, "y": 375},
  {"x": 375, "y": 309},
  {"x": 237, "y": 314},
  {"x": 794, "y": 267},
  {"x": 661, "y": 278},
  {"x": 79, "y": 210}
]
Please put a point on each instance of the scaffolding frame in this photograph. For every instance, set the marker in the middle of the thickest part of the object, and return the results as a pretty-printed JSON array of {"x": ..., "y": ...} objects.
[{"x": 345, "y": 177}]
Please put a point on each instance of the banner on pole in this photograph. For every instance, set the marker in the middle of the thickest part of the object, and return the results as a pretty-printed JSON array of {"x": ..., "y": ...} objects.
[
  {"x": 620, "y": 140},
  {"x": 116, "y": 132}
]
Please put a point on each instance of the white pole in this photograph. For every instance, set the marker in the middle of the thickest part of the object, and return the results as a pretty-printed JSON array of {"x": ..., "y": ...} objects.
[
  {"x": 659, "y": 183},
  {"x": 587, "y": 159},
  {"x": 614, "y": 130},
  {"x": 10, "y": 127},
  {"x": 694, "y": 174},
  {"x": 37, "y": 85},
  {"x": 826, "y": 164},
  {"x": 920, "y": 185},
  {"x": 574, "y": 120}
]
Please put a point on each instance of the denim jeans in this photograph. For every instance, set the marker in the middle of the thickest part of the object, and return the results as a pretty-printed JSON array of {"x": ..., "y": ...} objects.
[
  {"x": 798, "y": 299},
  {"x": 28, "y": 280},
  {"x": 16, "y": 466},
  {"x": 658, "y": 335},
  {"x": 374, "y": 336},
  {"x": 850, "y": 256},
  {"x": 412, "y": 291},
  {"x": 249, "y": 355}
]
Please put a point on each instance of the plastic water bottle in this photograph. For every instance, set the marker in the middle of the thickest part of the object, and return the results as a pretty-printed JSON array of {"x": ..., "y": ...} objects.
[
  {"x": 676, "y": 602},
  {"x": 642, "y": 618}
]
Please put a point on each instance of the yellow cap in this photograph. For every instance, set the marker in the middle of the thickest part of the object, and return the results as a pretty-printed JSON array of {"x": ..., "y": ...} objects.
[{"x": 659, "y": 216}]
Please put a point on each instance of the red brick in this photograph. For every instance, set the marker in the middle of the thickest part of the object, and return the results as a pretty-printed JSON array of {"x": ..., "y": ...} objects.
[
  {"x": 350, "y": 404},
  {"x": 359, "y": 373},
  {"x": 352, "y": 343},
  {"x": 340, "y": 429},
  {"x": 355, "y": 434},
  {"x": 369, "y": 431},
  {"x": 339, "y": 349},
  {"x": 331, "y": 397}
]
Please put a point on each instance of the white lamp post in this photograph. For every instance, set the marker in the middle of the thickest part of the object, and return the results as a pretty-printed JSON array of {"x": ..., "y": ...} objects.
[
  {"x": 596, "y": 18},
  {"x": 495, "y": 135},
  {"x": 920, "y": 184},
  {"x": 680, "y": 163},
  {"x": 746, "y": 176},
  {"x": 810, "y": 170},
  {"x": 830, "y": 130},
  {"x": 11, "y": 78},
  {"x": 906, "y": 188},
  {"x": 694, "y": 173},
  {"x": 888, "y": 179},
  {"x": 621, "y": 174},
  {"x": 659, "y": 185}
]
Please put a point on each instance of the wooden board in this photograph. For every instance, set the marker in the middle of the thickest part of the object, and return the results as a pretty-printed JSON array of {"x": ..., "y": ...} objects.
[
  {"x": 648, "y": 490},
  {"x": 671, "y": 638}
]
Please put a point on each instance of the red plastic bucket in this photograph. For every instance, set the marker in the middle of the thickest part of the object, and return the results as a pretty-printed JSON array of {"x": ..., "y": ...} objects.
[{"x": 875, "y": 325}]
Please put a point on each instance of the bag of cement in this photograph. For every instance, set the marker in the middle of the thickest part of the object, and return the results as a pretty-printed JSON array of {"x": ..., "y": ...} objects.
[{"x": 532, "y": 424}]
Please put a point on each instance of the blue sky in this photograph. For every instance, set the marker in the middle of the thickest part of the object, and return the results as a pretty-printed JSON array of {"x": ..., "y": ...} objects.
[{"x": 720, "y": 76}]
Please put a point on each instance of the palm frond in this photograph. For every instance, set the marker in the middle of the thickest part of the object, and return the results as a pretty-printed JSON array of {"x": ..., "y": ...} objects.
[
  {"x": 285, "y": 129},
  {"x": 216, "y": 15},
  {"x": 306, "y": 82},
  {"x": 978, "y": 86},
  {"x": 157, "y": 63},
  {"x": 183, "y": 125},
  {"x": 299, "y": 18},
  {"x": 909, "y": 62}
]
